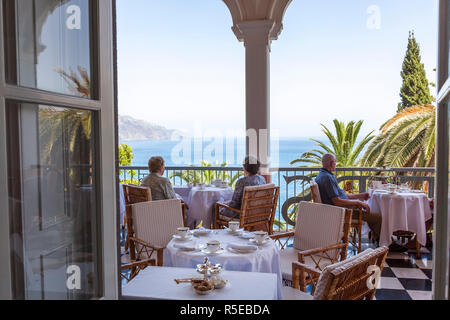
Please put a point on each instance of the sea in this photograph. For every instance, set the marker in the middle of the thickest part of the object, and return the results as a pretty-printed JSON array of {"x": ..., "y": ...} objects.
[{"x": 215, "y": 151}]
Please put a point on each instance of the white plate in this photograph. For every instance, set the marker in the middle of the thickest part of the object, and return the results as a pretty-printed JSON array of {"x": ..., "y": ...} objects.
[
  {"x": 180, "y": 238},
  {"x": 200, "y": 232},
  {"x": 220, "y": 251},
  {"x": 240, "y": 251},
  {"x": 266, "y": 241},
  {"x": 417, "y": 191},
  {"x": 246, "y": 235},
  {"x": 197, "y": 247}
]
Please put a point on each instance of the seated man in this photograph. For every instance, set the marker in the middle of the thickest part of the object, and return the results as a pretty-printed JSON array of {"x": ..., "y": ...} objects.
[
  {"x": 160, "y": 187},
  {"x": 332, "y": 194},
  {"x": 251, "y": 178}
]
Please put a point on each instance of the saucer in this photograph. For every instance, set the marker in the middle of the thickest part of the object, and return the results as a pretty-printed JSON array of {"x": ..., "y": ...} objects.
[
  {"x": 246, "y": 235},
  {"x": 201, "y": 232},
  {"x": 205, "y": 250},
  {"x": 235, "y": 232},
  {"x": 240, "y": 251},
  {"x": 265, "y": 241},
  {"x": 180, "y": 238}
]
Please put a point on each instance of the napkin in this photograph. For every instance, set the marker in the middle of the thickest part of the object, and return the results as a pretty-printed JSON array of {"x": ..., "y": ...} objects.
[
  {"x": 240, "y": 246},
  {"x": 185, "y": 246}
]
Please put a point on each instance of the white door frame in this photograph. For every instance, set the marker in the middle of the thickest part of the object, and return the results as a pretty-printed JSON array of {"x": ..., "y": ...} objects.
[{"x": 105, "y": 106}]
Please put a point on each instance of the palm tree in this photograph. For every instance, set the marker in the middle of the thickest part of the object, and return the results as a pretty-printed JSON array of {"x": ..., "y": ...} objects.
[
  {"x": 406, "y": 140},
  {"x": 79, "y": 85},
  {"x": 343, "y": 145},
  {"x": 206, "y": 176}
]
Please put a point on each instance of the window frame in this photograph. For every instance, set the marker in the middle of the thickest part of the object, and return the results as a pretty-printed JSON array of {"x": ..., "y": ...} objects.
[
  {"x": 441, "y": 242},
  {"x": 106, "y": 113}
]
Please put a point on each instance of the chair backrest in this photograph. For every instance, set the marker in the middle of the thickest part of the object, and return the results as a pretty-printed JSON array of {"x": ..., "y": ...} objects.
[
  {"x": 318, "y": 225},
  {"x": 259, "y": 204},
  {"x": 315, "y": 192},
  {"x": 134, "y": 194},
  {"x": 156, "y": 221},
  {"x": 349, "y": 279}
]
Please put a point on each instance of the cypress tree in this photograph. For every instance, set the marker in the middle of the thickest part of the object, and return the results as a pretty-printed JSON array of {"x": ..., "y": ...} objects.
[{"x": 415, "y": 89}]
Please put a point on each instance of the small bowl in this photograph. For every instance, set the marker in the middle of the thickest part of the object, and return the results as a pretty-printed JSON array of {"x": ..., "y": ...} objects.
[
  {"x": 203, "y": 288},
  {"x": 219, "y": 283}
]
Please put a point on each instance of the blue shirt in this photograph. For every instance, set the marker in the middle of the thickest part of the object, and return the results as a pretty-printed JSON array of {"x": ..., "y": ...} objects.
[{"x": 329, "y": 187}]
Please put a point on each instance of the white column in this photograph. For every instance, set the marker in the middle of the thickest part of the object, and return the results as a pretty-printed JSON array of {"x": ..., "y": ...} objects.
[{"x": 257, "y": 45}]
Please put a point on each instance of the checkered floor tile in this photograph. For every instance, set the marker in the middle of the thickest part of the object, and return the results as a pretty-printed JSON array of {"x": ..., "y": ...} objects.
[{"x": 405, "y": 277}]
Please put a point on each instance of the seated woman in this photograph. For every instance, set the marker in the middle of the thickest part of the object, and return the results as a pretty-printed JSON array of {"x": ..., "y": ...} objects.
[
  {"x": 251, "y": 178},
  {"x": 160, "y": 187}
]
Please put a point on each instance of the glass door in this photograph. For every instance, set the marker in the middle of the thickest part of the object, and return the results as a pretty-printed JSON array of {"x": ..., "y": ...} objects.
[
  {"x": 441, "y": 217},
  {"x": 57, "y": 142}
]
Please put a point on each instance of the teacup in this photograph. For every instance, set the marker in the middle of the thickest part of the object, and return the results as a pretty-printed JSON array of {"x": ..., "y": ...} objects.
[
  {"x": 392, "y": 189},
  {"x": 213, "y": 245},
  {"x": 260, "y": 236},
  {"x": 234, "y": 225},
  {"x": 183, "y": 232},
  {"x": 376, "y": 185}
]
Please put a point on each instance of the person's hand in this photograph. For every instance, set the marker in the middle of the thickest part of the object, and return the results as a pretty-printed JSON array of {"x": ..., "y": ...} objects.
[{"x": 364, "y": 206}]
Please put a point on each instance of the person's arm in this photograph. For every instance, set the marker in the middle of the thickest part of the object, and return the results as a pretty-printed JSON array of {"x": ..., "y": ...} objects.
[
  {"x": 350, "y": 202},
  {"x": 237, "y": 195},
  {"x": 168, "y": 190},
  {"x": 360, "y": 196}
]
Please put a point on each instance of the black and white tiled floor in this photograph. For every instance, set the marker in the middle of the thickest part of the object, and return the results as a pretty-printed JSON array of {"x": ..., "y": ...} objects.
[{"x": 405, "y": 277}]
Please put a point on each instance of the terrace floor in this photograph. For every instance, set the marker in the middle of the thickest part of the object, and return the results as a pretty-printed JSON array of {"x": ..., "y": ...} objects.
[{"x": 404, "y": 277}]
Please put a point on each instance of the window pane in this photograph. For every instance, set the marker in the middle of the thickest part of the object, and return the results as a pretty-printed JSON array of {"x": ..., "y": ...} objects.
[
  {"x": 55, "y": 237},
  {"x": 49, "y": 44}
]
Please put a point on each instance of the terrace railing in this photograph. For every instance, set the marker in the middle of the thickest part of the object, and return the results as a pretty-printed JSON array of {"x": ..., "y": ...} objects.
[{"x": 293, "y": 182}]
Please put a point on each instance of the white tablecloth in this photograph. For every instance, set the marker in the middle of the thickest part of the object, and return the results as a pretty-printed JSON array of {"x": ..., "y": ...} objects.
[
  {"x": 266, "y": 259},
  {"x": 401, "y": 211},
  {"x": 158, "y": 283},
  {"x": 201, "y": 203},
  {"x": 183, "y": 192}
]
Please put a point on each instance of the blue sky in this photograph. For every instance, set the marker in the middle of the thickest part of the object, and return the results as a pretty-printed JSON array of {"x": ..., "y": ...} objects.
[{"x": 181, "y": 66}]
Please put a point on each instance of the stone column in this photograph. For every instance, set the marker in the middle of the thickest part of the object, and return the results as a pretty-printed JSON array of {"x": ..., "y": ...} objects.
[{"x": 256, "y": 37}]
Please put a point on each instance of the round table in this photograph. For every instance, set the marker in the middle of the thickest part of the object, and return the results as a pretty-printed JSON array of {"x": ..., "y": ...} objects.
[
  {"x": 401, "y": 211},
  {"x": 201, "y": 203},
  {"x": 266, "y": 259}
]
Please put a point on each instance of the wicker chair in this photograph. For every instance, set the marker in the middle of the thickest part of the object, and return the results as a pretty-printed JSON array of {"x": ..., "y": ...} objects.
[
  {"x": 320, "y": 239},
  {"x": 259, "y": 204},
  {"x": 356, "y": 226},
  {"x": 352, "y": 279},
  {"x": 134, "y": 268},
  {"x": 154, "y": 223},
  {"x": 133, "y": 194}
]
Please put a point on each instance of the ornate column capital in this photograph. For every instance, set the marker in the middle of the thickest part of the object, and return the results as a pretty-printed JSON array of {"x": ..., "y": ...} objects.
[
  {"x": 260, "y": 12},
  {"x": 255, "y": 32}
]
